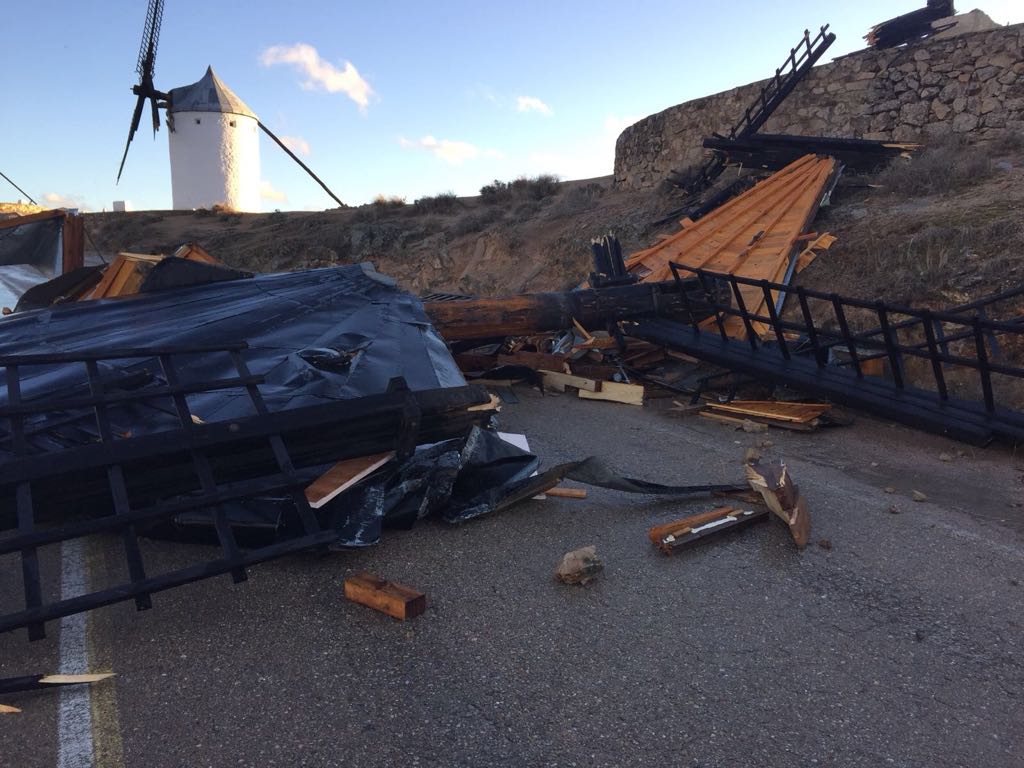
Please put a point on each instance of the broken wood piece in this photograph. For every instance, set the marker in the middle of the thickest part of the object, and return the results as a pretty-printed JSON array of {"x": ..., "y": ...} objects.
[
  {"x": 774, "y": 409},
  {"x": 493, "y": 405},
  {"x": 567, "y": 493},
  {"x": 582, "y": 331},
  {"x": 388, "y": 597},
  {"x": 670, "y": 536},
  {"x": 579, "y": 566},
  {"x": 782, "y": 496},
  {"x": 75, "y": 679},
  {"x": 739, "y": 422},
  {"x": 613, "y": 391},
  {"x": 6, "y": 709},
  {"x": 343, "y": 476},
  {"x": 37, "y": 682},
  {"x": 559, "y": 381}
]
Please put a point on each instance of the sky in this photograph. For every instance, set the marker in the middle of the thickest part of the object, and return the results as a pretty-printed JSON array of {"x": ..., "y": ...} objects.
[{"x": 386, "y": 98}]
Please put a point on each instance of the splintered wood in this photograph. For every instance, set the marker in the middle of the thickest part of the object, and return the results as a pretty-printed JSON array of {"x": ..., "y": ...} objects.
[
  {"x": 782, "y": 496},
  {"x": 388, "y": 597}
]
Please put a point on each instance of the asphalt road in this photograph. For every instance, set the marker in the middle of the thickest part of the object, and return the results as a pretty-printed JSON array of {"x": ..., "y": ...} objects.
[{"x": 901, "y": 645}]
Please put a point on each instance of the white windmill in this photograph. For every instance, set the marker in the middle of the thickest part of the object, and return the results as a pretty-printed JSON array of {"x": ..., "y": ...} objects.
[{"x": 214, "y": 141}]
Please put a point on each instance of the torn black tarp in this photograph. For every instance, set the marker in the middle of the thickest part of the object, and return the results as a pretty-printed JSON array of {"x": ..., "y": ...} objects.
[{"x": 296, "y": 327}]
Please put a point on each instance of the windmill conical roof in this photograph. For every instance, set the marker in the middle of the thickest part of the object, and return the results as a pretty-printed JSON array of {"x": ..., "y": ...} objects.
[{"x": 208, "y": 94}]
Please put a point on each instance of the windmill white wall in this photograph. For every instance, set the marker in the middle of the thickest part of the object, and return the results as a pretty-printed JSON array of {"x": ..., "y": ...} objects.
[
  {"x": 214, "y": 145},
  {"x": 215, "y": 158}
]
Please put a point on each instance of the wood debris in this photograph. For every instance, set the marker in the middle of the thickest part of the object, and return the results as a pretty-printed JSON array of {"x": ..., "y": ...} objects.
[{"x": 388, "y": 597}]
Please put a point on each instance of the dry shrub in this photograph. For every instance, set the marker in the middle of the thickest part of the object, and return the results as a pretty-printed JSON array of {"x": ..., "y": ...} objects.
[
  {"x": 445, "y": 202},
  {"x": 476, "y": 221},
  {"x": 524, "y": 188},
  {"x": 942, "y": 167},
  {"x": 394, "y": 201}
]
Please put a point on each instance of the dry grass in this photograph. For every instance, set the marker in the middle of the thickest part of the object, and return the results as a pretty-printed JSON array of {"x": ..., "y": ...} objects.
[{"x": 938, "y": 168}]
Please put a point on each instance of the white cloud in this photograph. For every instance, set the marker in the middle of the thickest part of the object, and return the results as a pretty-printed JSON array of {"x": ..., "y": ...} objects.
[
  {"x": 532, "y": 104},
  {"x": 320, "y": 74},
  {"x": 454, "y": 152},
  {"x": 57, "y": 200},
  {"x": 296, "y": 144},
  {"x": 269, "y": 192}
]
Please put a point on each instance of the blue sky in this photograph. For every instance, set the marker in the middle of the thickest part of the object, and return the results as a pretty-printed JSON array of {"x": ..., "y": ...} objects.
[{"x": 394, "y": 98}]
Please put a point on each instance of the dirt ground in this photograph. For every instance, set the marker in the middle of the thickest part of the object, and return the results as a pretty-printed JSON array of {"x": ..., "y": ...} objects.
[
  {"x": 918, "y": 234},
  {"x": 900, "y": 644}
]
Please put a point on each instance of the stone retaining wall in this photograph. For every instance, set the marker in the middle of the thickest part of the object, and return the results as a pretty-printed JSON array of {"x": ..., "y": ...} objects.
[{"x": 971, "y": 85}]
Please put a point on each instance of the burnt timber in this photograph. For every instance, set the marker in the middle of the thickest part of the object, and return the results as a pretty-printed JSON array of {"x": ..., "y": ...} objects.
[{"x": 539, "y": 312}]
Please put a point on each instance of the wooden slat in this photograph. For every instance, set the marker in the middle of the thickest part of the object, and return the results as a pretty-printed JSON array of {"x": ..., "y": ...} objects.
[{"x": 343, "y": 476}]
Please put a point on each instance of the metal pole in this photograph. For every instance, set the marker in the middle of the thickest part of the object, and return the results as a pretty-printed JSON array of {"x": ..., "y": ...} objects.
[{"x": 305, "y": 167}]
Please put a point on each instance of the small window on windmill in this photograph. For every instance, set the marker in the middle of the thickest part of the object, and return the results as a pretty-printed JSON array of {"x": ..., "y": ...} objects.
[
  {"x": 232, "y": 123},
  {"x": 197, "y": 121}
]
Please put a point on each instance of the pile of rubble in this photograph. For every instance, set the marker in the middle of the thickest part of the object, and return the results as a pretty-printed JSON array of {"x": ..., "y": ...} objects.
[{"x": 173, "y": 396}]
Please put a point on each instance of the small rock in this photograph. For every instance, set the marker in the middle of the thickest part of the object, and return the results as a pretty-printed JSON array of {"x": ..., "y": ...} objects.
[
  {"x": 890, "y": 489},
  {"x": 765, "y": 444},
  {"x": 579, "y": 566},
  {"x": 918, "y": 635},
  {"x": 825, "y": 544},
  {"x": 945, "y": 457},
  {"x": 918, "y": 496},
  {"x": 753, "y": 426},
  {"x": 874, "y": 463},
  {"x": 752, "y": 454},
  {"x": 893, "y": 509}
]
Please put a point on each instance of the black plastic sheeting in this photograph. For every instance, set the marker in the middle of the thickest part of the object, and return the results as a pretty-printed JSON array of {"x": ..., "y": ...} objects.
[
  {"x": 336, "y": 333},
  {"x": 454, "y": 481}
]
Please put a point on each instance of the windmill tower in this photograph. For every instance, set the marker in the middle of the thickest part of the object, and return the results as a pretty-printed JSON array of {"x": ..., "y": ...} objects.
[{"x": 215, "y": 149}]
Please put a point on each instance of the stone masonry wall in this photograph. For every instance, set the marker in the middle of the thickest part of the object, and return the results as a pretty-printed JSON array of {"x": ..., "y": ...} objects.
[{"x": 971, "y": 85}]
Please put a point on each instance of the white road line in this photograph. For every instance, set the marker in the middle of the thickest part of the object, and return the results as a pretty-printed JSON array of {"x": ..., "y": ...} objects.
[{"x": 74, "y": 729}]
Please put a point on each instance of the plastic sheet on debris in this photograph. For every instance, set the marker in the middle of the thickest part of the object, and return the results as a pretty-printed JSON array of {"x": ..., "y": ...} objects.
[{"x": 336, "y": 333}]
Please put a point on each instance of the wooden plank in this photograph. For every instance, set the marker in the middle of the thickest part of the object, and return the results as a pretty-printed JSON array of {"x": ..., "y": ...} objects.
[
  {"x": 7, "y": 709},
  {"x": 567, "y": 493},
  {"x": 343, "y": 476},
  {"x": 738, "y": 422},
  {"x": 388, "y": 597},
  {"x": 73, "y": 238},
  {"x": 773, "y": 409},
  {"x": 613, "y": 391},
  {"x": 29, "y": 218},
  {"x": 559, "y": 381}
]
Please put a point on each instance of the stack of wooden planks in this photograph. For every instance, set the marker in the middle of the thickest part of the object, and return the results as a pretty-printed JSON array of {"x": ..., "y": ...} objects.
[
  {"x": 762, "y": 234},
  {"x": 803, "y": 417}
]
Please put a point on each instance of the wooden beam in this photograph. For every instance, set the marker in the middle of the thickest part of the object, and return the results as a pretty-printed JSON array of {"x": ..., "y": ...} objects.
[
  {"x": 559, "y": 381},
  {"x": 613, "y": 391},
  {"x": 29, "y": 218},
  {"x": 388, "y": 597},
  {"x": 539, "y": 312}
]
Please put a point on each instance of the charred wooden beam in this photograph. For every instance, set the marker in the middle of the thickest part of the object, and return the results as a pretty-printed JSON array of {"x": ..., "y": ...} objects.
[
  {"x": 775, "y": 151},
  {"x": 539, "y": 312}
]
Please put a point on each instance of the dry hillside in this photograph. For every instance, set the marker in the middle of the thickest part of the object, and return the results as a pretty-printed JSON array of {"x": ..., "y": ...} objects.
[{"x": 941, "y": 228}]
